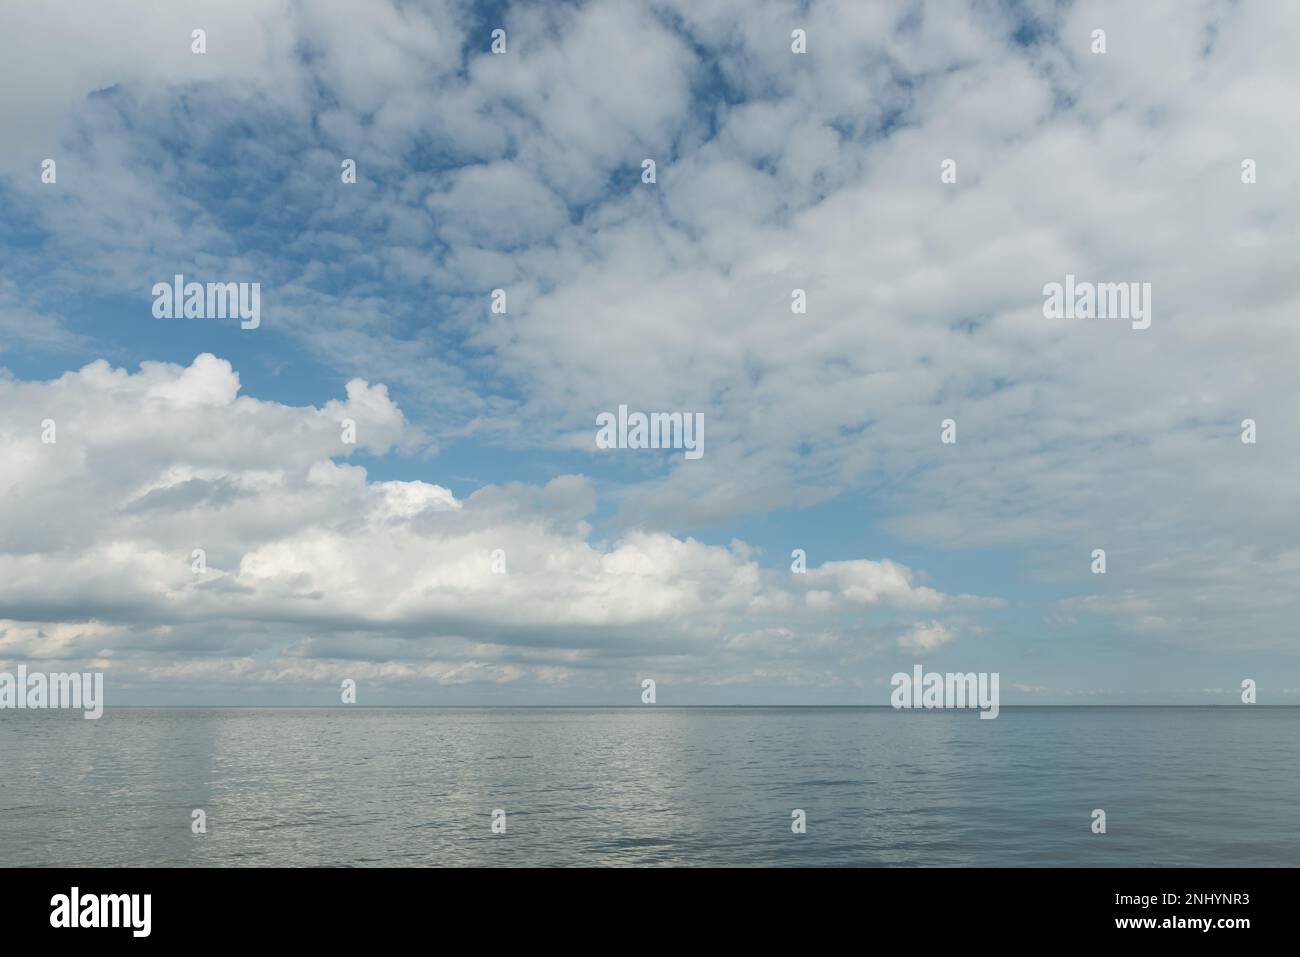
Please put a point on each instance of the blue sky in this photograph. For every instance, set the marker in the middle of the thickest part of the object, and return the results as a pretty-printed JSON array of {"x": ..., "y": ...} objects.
[{"x": 775, "y": 171}]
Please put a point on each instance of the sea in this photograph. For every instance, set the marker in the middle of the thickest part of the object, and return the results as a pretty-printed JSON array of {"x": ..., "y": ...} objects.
[{"x": 651, "y": 786}]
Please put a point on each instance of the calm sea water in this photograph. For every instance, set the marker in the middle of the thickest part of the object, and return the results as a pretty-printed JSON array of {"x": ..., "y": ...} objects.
[{"x": 651, "y": 786}]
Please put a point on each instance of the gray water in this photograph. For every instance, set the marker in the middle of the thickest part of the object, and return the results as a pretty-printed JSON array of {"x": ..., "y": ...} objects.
[{"x": 651, "y": 786}]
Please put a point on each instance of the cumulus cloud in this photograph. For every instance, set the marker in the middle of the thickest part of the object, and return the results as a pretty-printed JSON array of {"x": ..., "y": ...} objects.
[
  {"x": 925, "y": 637},
  {"x": 307, "y": 558}
]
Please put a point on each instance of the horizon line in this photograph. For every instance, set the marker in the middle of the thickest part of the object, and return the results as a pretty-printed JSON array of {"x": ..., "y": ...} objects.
[{"x": 637, "y": 707}]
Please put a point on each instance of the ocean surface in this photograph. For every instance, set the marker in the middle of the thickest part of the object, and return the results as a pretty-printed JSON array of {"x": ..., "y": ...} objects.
[{"x": 651, "y": 786}]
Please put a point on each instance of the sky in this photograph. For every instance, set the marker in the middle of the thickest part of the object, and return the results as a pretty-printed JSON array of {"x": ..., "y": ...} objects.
[{"x": 921, "y": 172}]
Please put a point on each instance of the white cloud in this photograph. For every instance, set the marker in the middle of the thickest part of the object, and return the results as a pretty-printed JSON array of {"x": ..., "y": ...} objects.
[
  {"x": 926, "y": 637},
  {"x": 309, "y": 559},
  {"x": 775, "y": 172}
]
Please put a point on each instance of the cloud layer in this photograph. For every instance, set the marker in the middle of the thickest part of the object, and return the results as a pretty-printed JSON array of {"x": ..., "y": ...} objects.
[
  {"x": 775, "y": 172},
  {"x": 311, "y": 568}
]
